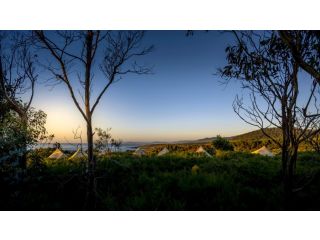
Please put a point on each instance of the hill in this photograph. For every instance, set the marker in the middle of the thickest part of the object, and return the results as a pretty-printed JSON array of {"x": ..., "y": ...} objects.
[
  {"x": 249, "y": 136},
  {"x": 258, "y": 135}
]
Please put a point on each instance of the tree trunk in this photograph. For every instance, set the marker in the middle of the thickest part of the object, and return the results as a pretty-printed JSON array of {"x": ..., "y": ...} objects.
[
  {"x": 89, "y": 39},
  {"x": 91, "y": 159},
  {"x": 285, "y": 171},
  {"x": 286, "y": 155},
  {"x": 288, "y": 177},
  {"x": 285, "y": 148},
  {"x": 90, "y": 198}
]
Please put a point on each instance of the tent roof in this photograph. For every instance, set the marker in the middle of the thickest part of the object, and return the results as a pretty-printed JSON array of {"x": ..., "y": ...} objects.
[
  {"x": 263, "y": 151},
  {"x": 57, "y": 154},
  {"x": 139, "y": 152},
  {"x": 77, "y": 154},
  {"x": 163, "y": 152},
  {"x": 202, "y": 150}
]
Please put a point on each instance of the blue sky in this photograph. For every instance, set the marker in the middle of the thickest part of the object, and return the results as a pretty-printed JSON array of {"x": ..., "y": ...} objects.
[{"x": 182, "y": 99}]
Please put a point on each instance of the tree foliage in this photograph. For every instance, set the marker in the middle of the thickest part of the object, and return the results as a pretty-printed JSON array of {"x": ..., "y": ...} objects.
[
  {"x": 105, "y": 141},
  {"x": 14, "y": 137},
  {"x": 305, "y": 49},
  {"x": 18, "y": 77},
  {"x": 269, "y": 72},
  {"x": 221, "y": 143}
]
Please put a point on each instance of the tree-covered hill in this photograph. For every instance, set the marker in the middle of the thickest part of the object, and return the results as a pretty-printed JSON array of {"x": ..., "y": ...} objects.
[
  {"x": 254, "y": 135},
  {"x": 258, "y": 135}
]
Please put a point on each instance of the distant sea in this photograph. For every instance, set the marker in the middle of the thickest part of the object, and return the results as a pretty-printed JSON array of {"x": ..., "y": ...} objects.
[{"x": 73, "y": 146}]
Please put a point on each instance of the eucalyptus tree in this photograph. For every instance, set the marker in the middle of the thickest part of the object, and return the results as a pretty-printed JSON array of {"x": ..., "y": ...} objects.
[
  {"x": 79, "y": 56},
  {"x": 18, "y": 76},
  {"x": 270, "y": 74}
]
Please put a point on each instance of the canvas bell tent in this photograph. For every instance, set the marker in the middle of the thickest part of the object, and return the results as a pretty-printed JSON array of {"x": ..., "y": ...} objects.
[
  {"x": 163, "y": 152},
  {"x": 264, "y": 151},
  {"x": 139, "y": 152},
  {"x": 201, "y": 150},
  {"x": 77, "y": 154},
  {"x": 57, "y": 154}
]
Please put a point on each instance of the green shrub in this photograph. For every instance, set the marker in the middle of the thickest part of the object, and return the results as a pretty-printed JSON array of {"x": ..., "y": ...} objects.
[{"x": 221, "y": 143}]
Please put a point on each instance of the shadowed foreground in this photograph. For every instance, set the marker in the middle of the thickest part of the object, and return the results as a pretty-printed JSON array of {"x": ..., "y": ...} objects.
[{"x": 231, "y": 181}]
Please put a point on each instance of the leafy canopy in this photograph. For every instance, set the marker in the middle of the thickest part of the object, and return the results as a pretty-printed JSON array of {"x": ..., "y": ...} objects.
[{"x": 221, "y": 143}]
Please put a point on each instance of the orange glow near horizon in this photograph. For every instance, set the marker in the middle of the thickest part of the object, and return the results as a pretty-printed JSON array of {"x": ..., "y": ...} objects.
[{"x": 62, "y": 122}]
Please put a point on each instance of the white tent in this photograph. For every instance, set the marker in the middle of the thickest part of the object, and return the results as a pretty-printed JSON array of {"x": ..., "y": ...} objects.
[
  {"x": 163, "y": 152},
  {"x": 57, "y": 154},
  {"x": 139, "y": 152},
  {"x": 202, "y": 151},
  {"x": 264, "y": 152},
  {"x": 77, "y": 154}
]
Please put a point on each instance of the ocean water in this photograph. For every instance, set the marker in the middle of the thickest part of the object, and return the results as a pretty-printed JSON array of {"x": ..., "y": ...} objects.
[{"x": 74, "y": 146}]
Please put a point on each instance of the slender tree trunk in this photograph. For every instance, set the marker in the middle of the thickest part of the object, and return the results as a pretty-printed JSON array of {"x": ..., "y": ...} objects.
[
  {"x": 286, "y": 174},
  {"x": 89, "y": 38},
  {"x": 90, "y": 201},
  {"x": 285, "y": 143},
  {"x": 286, "y": 156},
  {"x": 289, "y": 159},
  {"x": 292, "y": 164},
  {"x": 91, "y": 159},
  {"x": 90, "y": 198},
  {"x": 289, "y": 175},
  {"x": 284, "y": 160}
]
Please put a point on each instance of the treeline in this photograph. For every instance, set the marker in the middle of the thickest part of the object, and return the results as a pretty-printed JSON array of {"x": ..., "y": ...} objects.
[
  {"x": 251, "y": 145},
  {"x": 253, "y": 140},
  {"x": 243, "y": 145},
  {"x": 258, "y": 135}
]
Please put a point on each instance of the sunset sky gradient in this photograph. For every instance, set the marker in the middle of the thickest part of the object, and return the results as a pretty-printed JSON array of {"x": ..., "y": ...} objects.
[{"x": 183, "y": 99}]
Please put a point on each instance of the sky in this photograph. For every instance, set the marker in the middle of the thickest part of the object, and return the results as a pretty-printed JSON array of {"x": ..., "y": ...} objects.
[{"x": 184, "y": 98}]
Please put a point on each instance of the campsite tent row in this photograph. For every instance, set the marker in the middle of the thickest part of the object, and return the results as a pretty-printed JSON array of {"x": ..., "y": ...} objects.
[
  {"x": 164, "y": 151},
  {"x": 264, "y": 151},
  {"x": 58, "y": 154}
]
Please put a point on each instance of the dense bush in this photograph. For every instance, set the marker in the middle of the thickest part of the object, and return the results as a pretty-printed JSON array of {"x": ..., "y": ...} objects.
[
  {"x": 221, "y": 143},
  {"x": 234, "y": 181},
  {"x": 16, "y": 138}
]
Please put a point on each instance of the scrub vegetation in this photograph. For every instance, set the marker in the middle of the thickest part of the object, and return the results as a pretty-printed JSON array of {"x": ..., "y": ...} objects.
[{"x": 230, "y": 181}]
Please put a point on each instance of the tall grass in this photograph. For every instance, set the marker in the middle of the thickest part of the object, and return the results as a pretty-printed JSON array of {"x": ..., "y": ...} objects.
[{"x": 232, "y": 181}]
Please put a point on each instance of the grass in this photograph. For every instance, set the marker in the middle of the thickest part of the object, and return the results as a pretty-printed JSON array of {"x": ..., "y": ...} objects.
[{"x": 232, "y": 181}]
